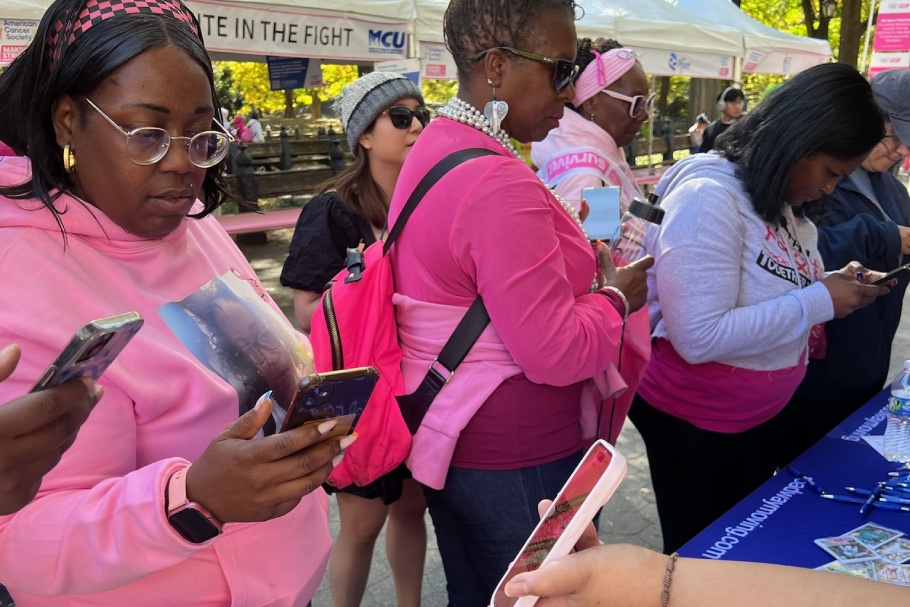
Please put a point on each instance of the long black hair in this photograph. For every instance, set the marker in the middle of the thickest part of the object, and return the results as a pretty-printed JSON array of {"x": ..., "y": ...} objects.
[
  {"x": 33, "y": 82},
  {"x": 826, "y": 109},
  {"x": 473, "y": 26}
]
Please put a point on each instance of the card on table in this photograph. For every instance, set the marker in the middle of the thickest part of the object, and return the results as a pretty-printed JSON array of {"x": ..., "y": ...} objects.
[
  {"x": 896, "y": 551},
  {"x": 888, "y": 572},
  {"x": 864, "y": 570},
  {"x": 873, "y": 535},
  {"x": 846, "y": 549}
]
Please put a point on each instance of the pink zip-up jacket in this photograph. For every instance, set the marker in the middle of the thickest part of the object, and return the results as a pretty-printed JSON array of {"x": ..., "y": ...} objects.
[
  {"x": 97, "y": 534},
  {"x": 490, "y": 227}
]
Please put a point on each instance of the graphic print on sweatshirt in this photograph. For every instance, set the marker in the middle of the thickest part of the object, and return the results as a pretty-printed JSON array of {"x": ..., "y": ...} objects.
[
  {"x": 230, "y": 329},
  {"x": 775, "y": 258}
]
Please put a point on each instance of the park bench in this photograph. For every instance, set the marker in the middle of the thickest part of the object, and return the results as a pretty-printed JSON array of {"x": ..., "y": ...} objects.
[{"x": 280, "y": 168}]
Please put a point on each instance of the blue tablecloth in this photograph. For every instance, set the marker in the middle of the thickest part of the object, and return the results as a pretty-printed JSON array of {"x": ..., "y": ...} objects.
[{"x": 778, "y": 522}]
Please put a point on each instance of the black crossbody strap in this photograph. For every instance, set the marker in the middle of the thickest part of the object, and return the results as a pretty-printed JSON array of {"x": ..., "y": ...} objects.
[{"x": 429, "y": 180}]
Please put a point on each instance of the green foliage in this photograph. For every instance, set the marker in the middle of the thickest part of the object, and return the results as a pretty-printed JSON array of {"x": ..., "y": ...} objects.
[
  {"x": 438, "y": 92},
  {"x": 248, "y": 83}
]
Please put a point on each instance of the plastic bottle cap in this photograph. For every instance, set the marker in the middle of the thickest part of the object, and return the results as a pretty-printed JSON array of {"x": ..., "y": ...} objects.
[{"x": 647, "y": 211}]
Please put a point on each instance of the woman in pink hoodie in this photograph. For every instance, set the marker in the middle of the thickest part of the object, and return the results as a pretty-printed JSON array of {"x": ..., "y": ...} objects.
[{"x": 173, "y": 492}]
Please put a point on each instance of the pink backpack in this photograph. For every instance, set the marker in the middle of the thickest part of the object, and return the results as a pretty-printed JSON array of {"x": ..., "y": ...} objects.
[{"x": 354, "y": 326}]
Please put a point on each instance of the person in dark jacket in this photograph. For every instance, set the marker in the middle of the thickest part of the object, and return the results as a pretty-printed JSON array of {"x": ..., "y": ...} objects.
[
  {"x": 865, "y": 219},
  {"x": 731, "y": 103}
]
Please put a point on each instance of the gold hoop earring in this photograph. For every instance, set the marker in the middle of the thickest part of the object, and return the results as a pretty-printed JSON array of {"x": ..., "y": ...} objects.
[{"x": 69, "y": 159}]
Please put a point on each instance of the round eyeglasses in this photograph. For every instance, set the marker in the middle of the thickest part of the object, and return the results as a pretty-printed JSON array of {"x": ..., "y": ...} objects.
[
  {"x": 148, "y": 144},
  {"x": 637, "y": 104},
  {"x": 265, "y": 340},
  {"x": 402, "y": 117},
  {"x": 564, "y": 70}
]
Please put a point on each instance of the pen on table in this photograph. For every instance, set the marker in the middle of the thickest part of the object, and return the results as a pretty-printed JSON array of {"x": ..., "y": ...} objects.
[
  {"x": 809, "y": 480},
  {"x": 856, "y": 500},
  {"x": 894, "y": 499},
  {"x": 873, "y": 496}
]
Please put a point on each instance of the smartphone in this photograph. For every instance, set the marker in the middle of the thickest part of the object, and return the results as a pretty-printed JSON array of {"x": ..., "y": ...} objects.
[
  {"x": 896, "y": 272},
  {"x": 587, "y": 490},
  {"x": 91, "y": 350},
  {"x": 603, "y": 219},
  {"x": 340, "y": 395}
]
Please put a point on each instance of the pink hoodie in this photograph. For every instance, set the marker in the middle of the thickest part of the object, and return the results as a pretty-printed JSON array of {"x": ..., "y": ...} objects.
[
  {"x": 97, "y": 534},
  {"x": 579, "y": 154}
]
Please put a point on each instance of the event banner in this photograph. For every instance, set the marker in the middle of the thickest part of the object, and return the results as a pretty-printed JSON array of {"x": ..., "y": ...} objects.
[
  {"x": 436, "y": 61},
  {"x": 892, "y": 27},
  {"x": 779, "y": 62},
  {"x": 678, "y": 63},
  {"x": 286, "y": 32},
  {"x": 15, "y": 36}
]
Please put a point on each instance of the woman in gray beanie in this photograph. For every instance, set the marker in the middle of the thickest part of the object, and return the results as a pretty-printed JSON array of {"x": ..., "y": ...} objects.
[{"x": 382, "y": 114}]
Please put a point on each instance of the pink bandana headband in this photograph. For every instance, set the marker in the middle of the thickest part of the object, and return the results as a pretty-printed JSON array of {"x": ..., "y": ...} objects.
[
  {"x": 602, "y": 72},
  {"x": 96, "y": 11}
]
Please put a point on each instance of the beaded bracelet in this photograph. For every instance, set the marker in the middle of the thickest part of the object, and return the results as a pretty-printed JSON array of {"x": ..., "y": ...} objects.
[
  {"x": 625, "y": 302},
  {"x": 665, "y": 595}
]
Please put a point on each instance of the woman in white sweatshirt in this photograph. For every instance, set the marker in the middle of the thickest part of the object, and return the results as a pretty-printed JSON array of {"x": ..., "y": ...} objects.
[{"x": 736, "y": 288}]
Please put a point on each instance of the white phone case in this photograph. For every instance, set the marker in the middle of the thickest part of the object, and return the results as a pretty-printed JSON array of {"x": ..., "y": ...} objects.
[{"x": 592, "y": 483}]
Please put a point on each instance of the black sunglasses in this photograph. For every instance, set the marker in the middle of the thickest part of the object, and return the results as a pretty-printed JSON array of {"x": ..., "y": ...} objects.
[
  {"x": 563, "y": 75},
  {"x": 402, "y": 117}
]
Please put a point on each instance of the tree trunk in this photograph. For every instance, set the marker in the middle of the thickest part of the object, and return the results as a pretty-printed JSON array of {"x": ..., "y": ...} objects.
[
  {"x": 663, "y": 89},
  {"x": 851, "y": 31},
  {"x": 703, "y": 94},
  {"x": 316, "y": 107},
  {"x": 288, "y": 103}
]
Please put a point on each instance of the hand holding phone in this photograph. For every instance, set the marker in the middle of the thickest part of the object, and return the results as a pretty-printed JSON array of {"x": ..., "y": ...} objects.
[
  {"x": 91, "y": 350},
  {"x": 895, "y": 273},
  {"x": 587, "y": 490},
  {"x": 340, "y": 395}
]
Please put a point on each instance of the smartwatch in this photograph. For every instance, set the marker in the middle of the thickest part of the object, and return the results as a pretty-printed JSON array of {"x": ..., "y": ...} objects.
[{"x": 193, "y": 522}]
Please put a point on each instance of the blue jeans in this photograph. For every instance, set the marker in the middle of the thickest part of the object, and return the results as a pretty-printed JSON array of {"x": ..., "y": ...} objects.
[{"x": 483, "y": 518}]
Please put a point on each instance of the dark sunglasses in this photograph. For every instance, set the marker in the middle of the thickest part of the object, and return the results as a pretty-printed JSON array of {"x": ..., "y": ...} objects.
[
  {"x": 402, "y": 117},
  {"x": 563, "y": 75}
]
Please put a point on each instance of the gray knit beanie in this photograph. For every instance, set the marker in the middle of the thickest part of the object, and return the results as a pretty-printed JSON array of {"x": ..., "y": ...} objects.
[{"x": 364, "y": 99}]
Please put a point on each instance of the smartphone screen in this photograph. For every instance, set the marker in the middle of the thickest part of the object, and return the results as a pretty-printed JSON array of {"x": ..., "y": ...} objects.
[
  {"x": 603, "y": 219},
  {"x": 91, "y": 350},
  {"x": 587, "y": 490},
  {"x": 340, "y": 395}
]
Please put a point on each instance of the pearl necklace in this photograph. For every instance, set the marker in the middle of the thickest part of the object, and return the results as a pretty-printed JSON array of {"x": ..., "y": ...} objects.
[{"x": 465, "y": 113}]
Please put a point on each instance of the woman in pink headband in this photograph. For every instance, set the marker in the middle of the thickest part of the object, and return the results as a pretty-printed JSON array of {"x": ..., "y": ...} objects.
[{"x": 611, "y": 90}]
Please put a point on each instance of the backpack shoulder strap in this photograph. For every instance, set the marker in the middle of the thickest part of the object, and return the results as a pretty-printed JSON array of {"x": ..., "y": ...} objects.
[{"x": 429, "y": 180}]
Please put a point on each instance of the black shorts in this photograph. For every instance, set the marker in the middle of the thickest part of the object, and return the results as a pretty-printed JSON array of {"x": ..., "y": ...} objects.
[{"x": 387, "y": 487}]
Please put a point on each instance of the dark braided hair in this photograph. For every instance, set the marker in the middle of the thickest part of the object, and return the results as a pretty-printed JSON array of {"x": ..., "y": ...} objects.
[
  {"x": 472, "y": 26},
  {"x": 585, "y": 55}
]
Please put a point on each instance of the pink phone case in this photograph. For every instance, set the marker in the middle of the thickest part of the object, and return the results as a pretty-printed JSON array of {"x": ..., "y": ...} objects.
[{"x": 589, "y": 487}]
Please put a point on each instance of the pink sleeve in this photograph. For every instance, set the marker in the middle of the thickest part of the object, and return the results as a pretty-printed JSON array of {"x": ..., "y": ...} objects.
[
  {"x": 95, "y": 524},
  {"x": 506, "y": 239}
]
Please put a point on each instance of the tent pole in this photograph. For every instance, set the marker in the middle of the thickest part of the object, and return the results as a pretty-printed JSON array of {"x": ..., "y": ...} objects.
[
  {"x": 738, "y": 71},
  {"x": 651, "y": 130},
  {"x": 862, "y": 69}
]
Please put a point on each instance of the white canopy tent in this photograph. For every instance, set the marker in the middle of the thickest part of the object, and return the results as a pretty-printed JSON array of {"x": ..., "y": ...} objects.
[
  {"x": 766, "y": 50},
  {"x": 668, "y": 42}
]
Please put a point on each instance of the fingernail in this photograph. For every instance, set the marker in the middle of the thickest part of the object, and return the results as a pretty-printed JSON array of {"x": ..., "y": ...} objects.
[
  {"x": 262, "y": 399},
  {"x": 326, "y": 426},
  {"x": 347, "y": 441},
  {"x": 7, "y": 350},
  {"x": 337, "y": 460},
  {"x": 516, "y": 588}
]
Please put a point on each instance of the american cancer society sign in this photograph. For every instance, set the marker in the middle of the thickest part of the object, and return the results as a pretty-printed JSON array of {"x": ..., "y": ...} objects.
[
  {"x": 15, "y": 36},
  {"x": 281, "y": 32}
]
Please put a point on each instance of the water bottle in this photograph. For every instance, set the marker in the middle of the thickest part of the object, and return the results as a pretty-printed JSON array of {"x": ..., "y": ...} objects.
[
  {"x": 628, "y": 242},
  {"x": 897, "y": 432}
]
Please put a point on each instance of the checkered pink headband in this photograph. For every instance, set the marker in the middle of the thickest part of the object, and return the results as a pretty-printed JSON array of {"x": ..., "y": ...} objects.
[
  {"x": 606, "y": 69},
  {"x": 96, "y": 11}
]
